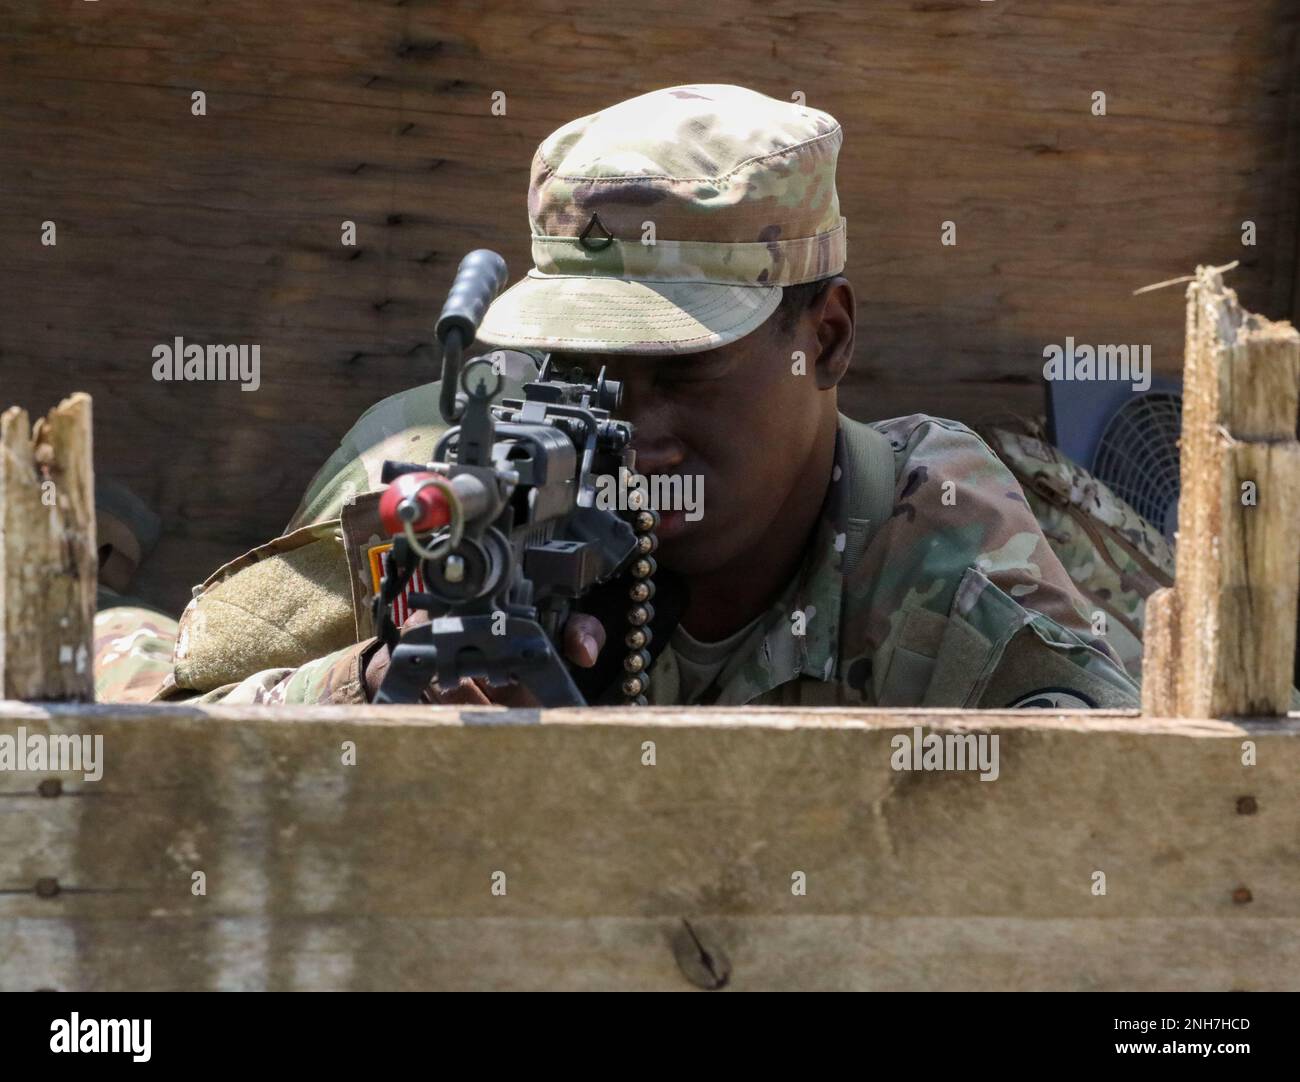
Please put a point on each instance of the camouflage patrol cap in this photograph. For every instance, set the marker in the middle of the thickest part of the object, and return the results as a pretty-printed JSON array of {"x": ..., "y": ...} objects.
[{"x": 670, "y": 222}]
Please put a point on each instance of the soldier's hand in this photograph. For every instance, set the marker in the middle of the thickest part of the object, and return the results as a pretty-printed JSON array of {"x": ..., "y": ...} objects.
[{"x": 584, "y": 637}]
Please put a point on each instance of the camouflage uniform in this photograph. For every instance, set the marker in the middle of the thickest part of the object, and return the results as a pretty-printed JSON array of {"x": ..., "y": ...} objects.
[
  {"x": 669, "y": 224},
  {"x": 957, "y": 599},
  {"x": 1116, "y": 558},
  {"x": 133, "y": 646}
]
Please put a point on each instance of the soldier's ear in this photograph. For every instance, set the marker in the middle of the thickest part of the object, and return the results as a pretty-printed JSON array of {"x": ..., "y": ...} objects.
[{"x": 833, "y": 314}]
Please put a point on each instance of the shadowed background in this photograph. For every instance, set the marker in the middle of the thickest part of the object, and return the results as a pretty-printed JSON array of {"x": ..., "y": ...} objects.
[{"x": 225, "y": 228}]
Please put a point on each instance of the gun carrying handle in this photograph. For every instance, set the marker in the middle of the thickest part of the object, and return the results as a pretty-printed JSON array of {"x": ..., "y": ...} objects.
[{"x": 479, "y": 278}]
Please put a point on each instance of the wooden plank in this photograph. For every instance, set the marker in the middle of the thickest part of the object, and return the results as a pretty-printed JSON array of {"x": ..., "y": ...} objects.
[
  {"x": 786, "y": 953},
  {"x": 1159, "y": 638},
  {"x": 47, "y": 553},
  {"x": 1225, "y": 644},
  {"x": 1256, "y": 607},
  {"x": 221, "y": 225},
  {"x": 379, "y": 875}
]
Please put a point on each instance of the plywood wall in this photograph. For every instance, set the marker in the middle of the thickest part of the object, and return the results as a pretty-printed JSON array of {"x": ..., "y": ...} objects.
[
  {"x": 225, "y": 228},
  {"x": 782, "y": 843}
]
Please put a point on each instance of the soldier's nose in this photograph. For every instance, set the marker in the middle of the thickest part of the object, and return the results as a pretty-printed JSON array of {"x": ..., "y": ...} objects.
[{"x": 658, "y": 455}]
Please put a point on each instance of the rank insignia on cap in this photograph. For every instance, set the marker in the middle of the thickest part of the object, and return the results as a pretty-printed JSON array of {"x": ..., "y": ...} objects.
[
  {"x": 379, "y": 559},
  {"x": 602, "y": 240}
]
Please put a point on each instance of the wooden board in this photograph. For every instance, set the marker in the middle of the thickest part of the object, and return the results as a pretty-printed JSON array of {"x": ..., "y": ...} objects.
[
  {"x": 1224, "y": 644},
  {"x": 225, "y": 228},
  {"x": 379, "y": 875},
  {"x": 47, "y": 553}
]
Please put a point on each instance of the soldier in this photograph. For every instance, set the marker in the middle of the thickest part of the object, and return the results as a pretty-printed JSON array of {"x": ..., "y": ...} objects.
[{"x": 690, "y": 240}]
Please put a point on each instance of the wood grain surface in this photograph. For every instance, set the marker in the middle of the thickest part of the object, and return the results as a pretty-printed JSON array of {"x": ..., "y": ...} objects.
[
  {"x": 225, "y": 228},
  {"x": 620, "y": 874},
  {"x": 47, "y": 553},
  {"x": 1224, "y": 643}
]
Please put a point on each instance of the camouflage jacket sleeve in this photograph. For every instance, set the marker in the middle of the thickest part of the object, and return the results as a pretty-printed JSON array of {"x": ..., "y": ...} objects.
[
  {"x": 959, "y": 597},
  {"x": 335, "y": 678}
]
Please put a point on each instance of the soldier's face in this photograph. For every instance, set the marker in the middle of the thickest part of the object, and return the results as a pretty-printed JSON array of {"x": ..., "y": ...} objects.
[{"x": 743, "y": 420}]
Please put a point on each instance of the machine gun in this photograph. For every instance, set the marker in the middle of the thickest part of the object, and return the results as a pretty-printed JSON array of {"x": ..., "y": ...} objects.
[{"x": 502, "y": 532}]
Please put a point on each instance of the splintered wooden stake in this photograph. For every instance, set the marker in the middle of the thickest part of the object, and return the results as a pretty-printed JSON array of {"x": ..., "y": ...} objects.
[
  {"x": 1221, "y": 641},
  {"x": 47, "y": 553}
]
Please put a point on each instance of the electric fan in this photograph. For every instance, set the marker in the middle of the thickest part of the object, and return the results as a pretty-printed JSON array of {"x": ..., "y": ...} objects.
[
  {"x": 1137, "y": 457},
  {"x": 1128, "y": 440}
]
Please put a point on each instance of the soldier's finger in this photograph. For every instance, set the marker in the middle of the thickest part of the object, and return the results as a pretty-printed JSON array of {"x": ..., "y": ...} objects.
[
  {"x": 466, "y": 693},
  {"x": 584, "y": 638},
  {"x": 512, "y": 695}
]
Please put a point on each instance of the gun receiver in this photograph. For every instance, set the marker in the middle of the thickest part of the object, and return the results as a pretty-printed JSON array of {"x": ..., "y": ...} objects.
[{"x": 503, "y": 527}]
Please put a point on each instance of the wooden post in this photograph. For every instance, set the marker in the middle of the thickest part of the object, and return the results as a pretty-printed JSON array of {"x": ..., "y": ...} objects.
[
  {"x": 1221, "y": 641},
  {"x": 47, "y": 553}
]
